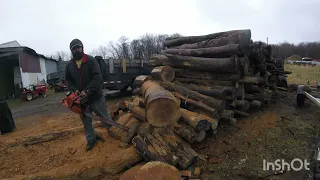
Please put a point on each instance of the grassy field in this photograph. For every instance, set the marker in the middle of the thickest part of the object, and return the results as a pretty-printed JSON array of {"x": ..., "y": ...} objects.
[{"x": 303, "y": 74}]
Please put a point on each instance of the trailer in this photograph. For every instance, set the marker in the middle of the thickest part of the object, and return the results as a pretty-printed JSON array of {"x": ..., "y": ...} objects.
[{"x": 119, "y": 74}]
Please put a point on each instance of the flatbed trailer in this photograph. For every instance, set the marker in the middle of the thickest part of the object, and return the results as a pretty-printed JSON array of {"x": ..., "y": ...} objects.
[{"x": 312, "y": 93}]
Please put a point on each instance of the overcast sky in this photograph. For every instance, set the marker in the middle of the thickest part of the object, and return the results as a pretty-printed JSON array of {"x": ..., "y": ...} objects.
[{"x": 49, "y": 26}]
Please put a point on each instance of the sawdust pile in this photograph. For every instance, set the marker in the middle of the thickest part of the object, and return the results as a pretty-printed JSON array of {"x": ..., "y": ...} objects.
[{"x": 55, "y": 158}]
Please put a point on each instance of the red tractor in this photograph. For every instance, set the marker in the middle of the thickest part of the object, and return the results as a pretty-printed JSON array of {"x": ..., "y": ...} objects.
[{"x": 34, "y": 91}]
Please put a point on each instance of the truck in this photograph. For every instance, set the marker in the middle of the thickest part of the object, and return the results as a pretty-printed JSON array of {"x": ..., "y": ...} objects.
[{"x": 118, "y": 74}]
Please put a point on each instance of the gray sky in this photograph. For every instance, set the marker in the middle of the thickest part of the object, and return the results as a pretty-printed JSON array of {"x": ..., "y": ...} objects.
[{"x": 49, "y": 26}]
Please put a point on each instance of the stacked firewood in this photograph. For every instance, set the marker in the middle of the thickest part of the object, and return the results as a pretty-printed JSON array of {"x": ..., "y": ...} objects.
[{"x": 197, "y": 83}]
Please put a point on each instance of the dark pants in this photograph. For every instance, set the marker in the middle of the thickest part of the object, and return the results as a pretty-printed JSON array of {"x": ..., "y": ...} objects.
[{"x": 99, "y": 107}]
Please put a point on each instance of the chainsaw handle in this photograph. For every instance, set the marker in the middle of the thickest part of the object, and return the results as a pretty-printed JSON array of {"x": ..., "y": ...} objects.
[{"x": 72, "y": 102}]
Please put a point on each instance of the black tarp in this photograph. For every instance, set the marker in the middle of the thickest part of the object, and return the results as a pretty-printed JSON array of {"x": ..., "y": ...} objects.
[{"x": 6, "y": 120}]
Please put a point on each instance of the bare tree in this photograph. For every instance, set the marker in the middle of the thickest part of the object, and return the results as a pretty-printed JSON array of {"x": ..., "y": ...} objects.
[{"x": 62, "y": 55}]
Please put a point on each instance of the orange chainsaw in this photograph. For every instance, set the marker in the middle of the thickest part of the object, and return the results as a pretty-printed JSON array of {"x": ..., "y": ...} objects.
[{"x": 77, "y": 104}]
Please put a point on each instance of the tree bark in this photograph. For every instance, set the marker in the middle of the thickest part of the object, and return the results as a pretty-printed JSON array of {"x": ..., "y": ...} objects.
[
  {"x": 215, "y": 93},
  {"x": 226, "y": 65},
  {"x": 242, "y": 38},
  {"x": 213, "y": 52},
  {"x": 196, "y": 120},
  {"x": 163, "y": 73},
  {"x": 198, "y": 104},
  {"x": 194, "y": 39},
  {"x": 193, "y": 74},
  {"x": 214, "y": 103},
  {"x": 189, "y": 134},
  {"x": 208, "y": 83},
  {"x": 187, "y": 156}
]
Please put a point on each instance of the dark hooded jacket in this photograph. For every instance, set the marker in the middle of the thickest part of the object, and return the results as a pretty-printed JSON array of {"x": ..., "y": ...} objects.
[{"x": 87, "y": 78}]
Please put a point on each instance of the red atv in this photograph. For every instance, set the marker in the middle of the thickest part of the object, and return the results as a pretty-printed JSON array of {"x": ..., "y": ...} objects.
[{"x": 34, "y": 91}]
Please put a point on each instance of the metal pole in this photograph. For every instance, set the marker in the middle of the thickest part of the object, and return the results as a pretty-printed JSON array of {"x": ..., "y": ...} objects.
[{"x": 267, "y": 41}]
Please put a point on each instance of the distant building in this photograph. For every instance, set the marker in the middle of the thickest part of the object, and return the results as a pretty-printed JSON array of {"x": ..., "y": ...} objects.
[{"x": 21, "y": 66}]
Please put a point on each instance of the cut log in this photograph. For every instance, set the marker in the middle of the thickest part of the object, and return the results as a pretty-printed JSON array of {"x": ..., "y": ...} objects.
[
  {"x": 113, "y": 110},
  {"x": 251, "y": 88},
  {"x": 194, "y": 39},
  {"x": 137, "y": 100},
  {"x": 123, "y": 135},
  {"x": 187, "y": 156},
  {"x": 144, "y": 151},
  {"x": 121, "y": 160},
  {"x": 242, "y": 38},
  {"x": 242, "y": 105},
  {"x": 216, "y": 52},
  {"x": 200, "y": 75},
  {"x": 131, "y": 173},
  {"x": 215, "y": 93},
  {"x": 122, "y": 105},
  {"x": 241, "y": 113},
  {"x": 198, "y": 121},
  {"x": 255, "y": 104},
  {"x": 139, "y": 80},
  {"x": 212, "y": 112},
  {"x": 158, "y": 170},
  {"x": 158, "y": 144},
  {"x": 162, "y": 109},
  {"x": 189, "y": 134},
  {"x": 136, "y": 91},
  {"x": 163, "y": 73},
  {"x": 139, "y": 112},
  {"x": 214, "y": 103},
  {"x": 279, "y": 63},
  {"x": 227, "y": 65},
  {"x": 227, "y": 115},
  {"x": 204, "y": 82},
  {"x": 150, "y": 87}
]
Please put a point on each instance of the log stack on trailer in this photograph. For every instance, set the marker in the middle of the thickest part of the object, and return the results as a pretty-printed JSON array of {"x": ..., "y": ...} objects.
[{"x": 198, "y": 83}]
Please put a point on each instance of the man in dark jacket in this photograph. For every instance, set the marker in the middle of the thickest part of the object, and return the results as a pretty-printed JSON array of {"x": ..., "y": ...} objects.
[{"x": 83, "y": 76}]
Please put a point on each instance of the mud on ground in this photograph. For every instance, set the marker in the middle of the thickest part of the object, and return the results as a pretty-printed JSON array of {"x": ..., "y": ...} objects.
[{"x": 281, "y": 131}]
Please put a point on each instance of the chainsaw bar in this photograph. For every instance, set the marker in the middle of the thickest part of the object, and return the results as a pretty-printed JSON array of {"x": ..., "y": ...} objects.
[{"x": 107, "y": 121}]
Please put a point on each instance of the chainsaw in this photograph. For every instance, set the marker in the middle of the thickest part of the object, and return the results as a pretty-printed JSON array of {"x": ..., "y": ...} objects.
[{"x": 77, "y": 104}]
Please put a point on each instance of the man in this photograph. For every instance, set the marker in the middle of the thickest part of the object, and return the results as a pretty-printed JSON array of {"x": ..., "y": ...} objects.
[{"x": 83, "y": 77}]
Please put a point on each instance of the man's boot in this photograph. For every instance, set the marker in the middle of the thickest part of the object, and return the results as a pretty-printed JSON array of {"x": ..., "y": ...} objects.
[{"x": 90, "y": 145}]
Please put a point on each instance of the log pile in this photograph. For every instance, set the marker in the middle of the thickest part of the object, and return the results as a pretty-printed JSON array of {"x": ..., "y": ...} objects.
[{"x": 197, "y": 83}]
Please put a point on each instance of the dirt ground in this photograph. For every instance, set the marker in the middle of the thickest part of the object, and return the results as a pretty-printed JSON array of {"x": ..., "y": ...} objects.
[{"x": 279, "y": 131}]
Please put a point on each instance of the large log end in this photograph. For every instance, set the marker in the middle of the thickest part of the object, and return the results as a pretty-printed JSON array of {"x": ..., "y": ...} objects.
[
  {"x": 162, "y": 109},
  {"x": 157, "y": 170}
]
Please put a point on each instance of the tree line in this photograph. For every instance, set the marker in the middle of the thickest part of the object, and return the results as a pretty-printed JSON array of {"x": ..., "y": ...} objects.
[{"x": 148, "y": 44}]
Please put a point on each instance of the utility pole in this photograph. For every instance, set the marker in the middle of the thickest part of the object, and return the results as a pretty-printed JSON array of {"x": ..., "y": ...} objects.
[{"x": 267, "y": 40}]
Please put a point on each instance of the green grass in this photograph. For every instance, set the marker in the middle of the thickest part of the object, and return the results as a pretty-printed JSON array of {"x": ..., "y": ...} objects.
[{"x": 303, "y": 74}]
